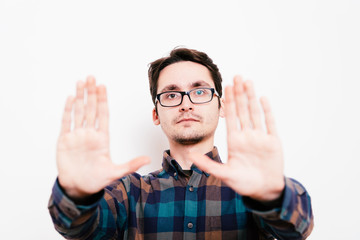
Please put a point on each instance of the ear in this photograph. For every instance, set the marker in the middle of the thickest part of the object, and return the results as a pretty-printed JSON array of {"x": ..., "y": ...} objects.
[
  {"x": 222, "y": 112},
  {"x": 156, "y": 119}
]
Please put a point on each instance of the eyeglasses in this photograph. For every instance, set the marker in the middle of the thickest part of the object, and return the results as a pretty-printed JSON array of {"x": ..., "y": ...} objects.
[{"x": 196, "y": 96}]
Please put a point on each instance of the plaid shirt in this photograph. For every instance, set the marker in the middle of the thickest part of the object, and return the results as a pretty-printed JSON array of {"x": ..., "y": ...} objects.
[{"x": 169, "y": 204}]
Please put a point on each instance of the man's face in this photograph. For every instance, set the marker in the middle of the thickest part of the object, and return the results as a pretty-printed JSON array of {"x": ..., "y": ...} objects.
[{"x": 187, "y": 123}]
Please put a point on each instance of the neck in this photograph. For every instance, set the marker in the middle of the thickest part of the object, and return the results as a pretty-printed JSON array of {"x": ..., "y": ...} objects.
[{"x": 182, "y": 152}]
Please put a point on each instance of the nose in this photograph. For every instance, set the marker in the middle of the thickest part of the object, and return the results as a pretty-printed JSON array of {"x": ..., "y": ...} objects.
[{"x": 186, "y": 104}]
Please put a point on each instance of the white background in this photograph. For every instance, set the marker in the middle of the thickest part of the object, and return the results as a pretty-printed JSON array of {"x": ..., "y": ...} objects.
[{"x": 303, "y": 55}]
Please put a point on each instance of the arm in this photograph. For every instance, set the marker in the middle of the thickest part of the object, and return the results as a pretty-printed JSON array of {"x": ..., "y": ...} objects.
[
  {"x": 84, "y": 164},
  {"x": 289, "y": 218},
  {"x": 255, "y": 159},
  {"x": 103, "y": 215}
]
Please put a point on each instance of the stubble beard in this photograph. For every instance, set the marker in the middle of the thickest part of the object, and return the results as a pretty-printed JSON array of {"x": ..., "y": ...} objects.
[
  {"x": 189, "y": 136},
  {"x": 191, "y": 140}
]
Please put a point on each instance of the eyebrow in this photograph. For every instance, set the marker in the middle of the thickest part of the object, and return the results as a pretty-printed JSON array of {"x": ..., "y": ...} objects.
[{"x": 174, "y": 87}]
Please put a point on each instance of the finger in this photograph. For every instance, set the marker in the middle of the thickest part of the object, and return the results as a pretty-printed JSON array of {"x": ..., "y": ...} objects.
[
  {"x": 79, "y": 104},
  {"x": 103, "y": 109},
  {"x": 124, "y": 169},
  {"x": 208, "y": 165},
  {"x": 269, "y": 118},
  {"x": 230, "y": 110},
  {"x": 66, "y": 120},
  {"x": 241, "y": 103},
  {"x": 254, "y": 107},
  {"x": 91, "y": 102}
]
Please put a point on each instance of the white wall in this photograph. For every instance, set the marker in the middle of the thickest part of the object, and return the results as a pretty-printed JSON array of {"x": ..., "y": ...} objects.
[{"x": 304, "y": 55}]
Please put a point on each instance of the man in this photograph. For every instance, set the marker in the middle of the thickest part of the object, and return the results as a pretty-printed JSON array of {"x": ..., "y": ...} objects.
[{"x": 194, "y": 195}]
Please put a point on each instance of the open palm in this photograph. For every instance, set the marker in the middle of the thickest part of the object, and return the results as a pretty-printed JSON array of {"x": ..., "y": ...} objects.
[
  {"x": 83, "y": 155},
  {"x": 255, "y": 159}
]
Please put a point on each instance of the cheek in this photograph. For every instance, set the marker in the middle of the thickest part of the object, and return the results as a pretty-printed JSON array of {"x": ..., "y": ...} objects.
[
  {"x": 213, "y": 119},
  {"x": 165, "y": 117},
  {"x": 212, "y": 115}
]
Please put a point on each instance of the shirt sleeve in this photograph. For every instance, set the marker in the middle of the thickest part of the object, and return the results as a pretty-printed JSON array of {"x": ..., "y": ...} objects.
[
  {"x": 102, "y": 218},
  {"x": 293, "y": 219}
]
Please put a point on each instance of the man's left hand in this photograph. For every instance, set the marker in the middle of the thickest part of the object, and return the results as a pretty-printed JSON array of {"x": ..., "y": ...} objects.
[{"x": 255, "y": 158}]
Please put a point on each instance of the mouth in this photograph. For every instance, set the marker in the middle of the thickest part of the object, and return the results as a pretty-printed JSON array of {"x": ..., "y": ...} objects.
[{"x": 185, "y": 120}]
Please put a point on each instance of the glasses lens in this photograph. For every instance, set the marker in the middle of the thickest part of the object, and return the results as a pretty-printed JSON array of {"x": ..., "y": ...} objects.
[
  {"x": 201, "y": 95},
  {"x": 170, "y": 98}
]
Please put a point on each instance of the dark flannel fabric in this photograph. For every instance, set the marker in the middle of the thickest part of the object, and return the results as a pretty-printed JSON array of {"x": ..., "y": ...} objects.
[{"x": 169, "y": 204}]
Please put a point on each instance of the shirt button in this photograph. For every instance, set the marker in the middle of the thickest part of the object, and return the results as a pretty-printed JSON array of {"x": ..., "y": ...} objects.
[
  {"x": 191, "y": 189},
  {"x": 190, "y": 225},
  {"x": 175, "y": 174}
]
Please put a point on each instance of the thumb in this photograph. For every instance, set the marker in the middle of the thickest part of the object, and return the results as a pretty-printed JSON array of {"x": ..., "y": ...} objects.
[
  {"x": 208, "y": 165},
  {"x": 131, "y": 166}
]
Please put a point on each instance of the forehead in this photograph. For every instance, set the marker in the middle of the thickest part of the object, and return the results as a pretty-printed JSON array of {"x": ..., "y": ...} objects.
[{"x": 184, "y": 76}]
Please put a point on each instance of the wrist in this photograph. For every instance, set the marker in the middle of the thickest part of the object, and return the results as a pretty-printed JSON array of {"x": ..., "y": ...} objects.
[
  {"x": 264, "y": 205},
  {"x": 72, "y": 192},
  {"x": 271, "y": 193},
  {"x": 81, "y": 198}
]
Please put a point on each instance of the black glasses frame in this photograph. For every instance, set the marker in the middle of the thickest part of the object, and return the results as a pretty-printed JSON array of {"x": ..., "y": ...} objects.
[{"x": 183, "y": 93}]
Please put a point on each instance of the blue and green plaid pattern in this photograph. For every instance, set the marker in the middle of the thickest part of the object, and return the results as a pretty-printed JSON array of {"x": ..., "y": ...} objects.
[{"x": 169, "y": 204}]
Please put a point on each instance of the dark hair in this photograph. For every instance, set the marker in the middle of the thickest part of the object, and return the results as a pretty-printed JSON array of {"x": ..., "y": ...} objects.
[{"x": 179, "y": 55}]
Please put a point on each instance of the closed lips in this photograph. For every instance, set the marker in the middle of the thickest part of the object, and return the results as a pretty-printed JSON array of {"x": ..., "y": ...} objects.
[{"x": 188, "y": 120}]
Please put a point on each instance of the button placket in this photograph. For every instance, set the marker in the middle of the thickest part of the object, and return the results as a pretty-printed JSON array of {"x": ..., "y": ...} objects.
[{"x": 191, "y": 206}]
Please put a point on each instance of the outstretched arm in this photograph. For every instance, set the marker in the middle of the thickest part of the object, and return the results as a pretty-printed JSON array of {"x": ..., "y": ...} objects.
[
  {"x": 255, "y": 167},
  {"x": 78, "y": 206}
]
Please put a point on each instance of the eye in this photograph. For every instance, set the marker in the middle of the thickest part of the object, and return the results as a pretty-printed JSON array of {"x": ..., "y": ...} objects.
[
  {"x": 171, "y": 95},
  {"x": 199, "y": 92}
]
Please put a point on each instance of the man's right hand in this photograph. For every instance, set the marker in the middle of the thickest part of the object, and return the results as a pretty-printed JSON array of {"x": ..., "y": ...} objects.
[{"x": 83, "y": 155}]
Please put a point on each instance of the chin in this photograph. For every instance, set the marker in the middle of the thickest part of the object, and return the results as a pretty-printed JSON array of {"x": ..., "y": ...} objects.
[
  {"x": 187, "y": 138},
  {"x": 188, "y": 141}
]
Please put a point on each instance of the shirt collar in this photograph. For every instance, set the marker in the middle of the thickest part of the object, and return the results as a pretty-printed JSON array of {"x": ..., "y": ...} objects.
[{"x": 171, "y": 166}]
